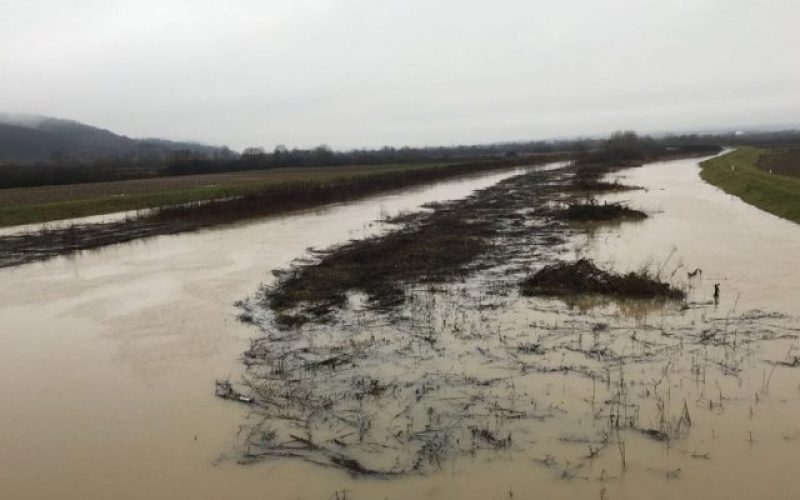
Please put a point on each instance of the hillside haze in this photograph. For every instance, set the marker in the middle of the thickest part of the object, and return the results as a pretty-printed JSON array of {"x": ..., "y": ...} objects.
[{"x": 32, "y": 138}]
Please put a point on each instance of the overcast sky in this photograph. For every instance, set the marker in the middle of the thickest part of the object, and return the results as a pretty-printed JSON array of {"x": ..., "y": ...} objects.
[{"x": 352, "y": 73}]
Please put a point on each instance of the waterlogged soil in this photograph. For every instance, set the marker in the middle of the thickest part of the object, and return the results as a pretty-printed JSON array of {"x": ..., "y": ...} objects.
[
  {"x": 496, "y": 225},
  {"x": 781, "y": 162},
  {"x": 322, "y": 388},
  {"x": 112, "y": 357}
]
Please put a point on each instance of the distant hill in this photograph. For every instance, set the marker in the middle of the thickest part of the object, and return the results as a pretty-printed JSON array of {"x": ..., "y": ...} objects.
[{"x": 31, "y": 138}]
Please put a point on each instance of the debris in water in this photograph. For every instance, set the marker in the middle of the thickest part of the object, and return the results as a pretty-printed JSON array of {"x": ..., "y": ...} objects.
[{"x": 225, "y": 390}]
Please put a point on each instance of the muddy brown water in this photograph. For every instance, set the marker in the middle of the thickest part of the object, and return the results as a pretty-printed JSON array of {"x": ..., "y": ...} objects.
[
  {"x": 753, "y": 255},
  {"x": 108, "y": 362}
]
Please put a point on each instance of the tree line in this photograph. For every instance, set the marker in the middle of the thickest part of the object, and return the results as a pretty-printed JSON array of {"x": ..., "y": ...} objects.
[{"x": 622, "y": 145}]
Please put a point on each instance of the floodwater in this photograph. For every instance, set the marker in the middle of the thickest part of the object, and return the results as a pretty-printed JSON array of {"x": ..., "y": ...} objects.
[
  {"x": 753, "y": 255},
  {"x": 108, "y": 362}
]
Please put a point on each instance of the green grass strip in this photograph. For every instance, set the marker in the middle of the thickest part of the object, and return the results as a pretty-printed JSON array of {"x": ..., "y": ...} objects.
[{"x": 737, "y": 173}]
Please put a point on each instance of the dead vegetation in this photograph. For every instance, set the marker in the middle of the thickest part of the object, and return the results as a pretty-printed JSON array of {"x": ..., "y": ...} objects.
[
  {"x": 403, "y": 365},
  {"x": 427, "y": 251},
  {"x": 467, "y": 370},
  {"x": 781, "y": 161},
  {"x": 593, "y": 211},
  {"x": 445, "y": 244},
  {"x": 584, "y": 277},
  {"x": 591, "y": 177}
]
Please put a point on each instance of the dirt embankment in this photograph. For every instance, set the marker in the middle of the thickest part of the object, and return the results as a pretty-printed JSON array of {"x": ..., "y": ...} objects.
[
  {"x": 745, "y": 173},
  {"x": 781, "y": 162},
  {"x": 278, "y": 198}
]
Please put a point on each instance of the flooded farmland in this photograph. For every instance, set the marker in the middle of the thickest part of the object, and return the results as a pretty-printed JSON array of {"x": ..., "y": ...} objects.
[{"x": 465, "y": 390}]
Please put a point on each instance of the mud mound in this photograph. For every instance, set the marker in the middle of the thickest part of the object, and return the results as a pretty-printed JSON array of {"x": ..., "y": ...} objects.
[
  {"x": 583, "y": 277},
  {"x": 441, "y": 246},
  {"x": 782, "y": 162},
  {"x": 598, "y": 212}
]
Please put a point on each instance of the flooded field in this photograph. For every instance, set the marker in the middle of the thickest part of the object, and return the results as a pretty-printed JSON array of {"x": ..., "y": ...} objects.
[{"x": 467, "y": 390}]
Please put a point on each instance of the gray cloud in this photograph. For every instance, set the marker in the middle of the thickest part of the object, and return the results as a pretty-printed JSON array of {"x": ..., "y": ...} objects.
[{"x": 367, "y": 73}]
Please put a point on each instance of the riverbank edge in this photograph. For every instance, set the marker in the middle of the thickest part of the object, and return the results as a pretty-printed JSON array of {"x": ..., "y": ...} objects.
[
  {"x": 158, "y": 197},
  {"x": 37, "y": 245},
  {"x": 737, "y": 173}
]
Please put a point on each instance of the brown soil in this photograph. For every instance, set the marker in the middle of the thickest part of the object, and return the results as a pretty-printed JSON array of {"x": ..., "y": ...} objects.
[{"x": 781, "y": 162}]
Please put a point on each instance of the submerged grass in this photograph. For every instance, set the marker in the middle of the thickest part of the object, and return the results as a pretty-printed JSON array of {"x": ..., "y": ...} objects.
[
  {"x": 426, "y": 251},
  {"x": 430, "y": 247},
  {"x": 464, "y": 368},
  {"x": 738, "y": 173}
]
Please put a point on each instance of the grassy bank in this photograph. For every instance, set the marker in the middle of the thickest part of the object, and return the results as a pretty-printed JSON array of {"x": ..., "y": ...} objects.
[
  {"x": 737, "y": 173},
  {"x": 279, "y": 197},
  {"x": 48, "y": 203}
]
